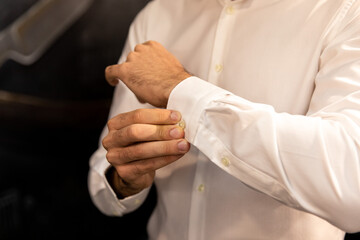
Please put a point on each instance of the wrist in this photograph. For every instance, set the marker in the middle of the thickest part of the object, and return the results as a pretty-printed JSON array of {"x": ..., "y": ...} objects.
[
  {"x": 111, "y": 176},
  {"x": 181, "y": 77},
  {"x": 118, "y": 185}
]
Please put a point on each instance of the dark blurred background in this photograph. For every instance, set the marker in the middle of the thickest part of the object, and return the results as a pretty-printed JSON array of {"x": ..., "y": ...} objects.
[{"x": 51, "y": 116}]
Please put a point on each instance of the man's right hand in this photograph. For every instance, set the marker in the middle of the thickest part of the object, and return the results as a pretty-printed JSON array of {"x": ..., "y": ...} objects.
[{"x": 139, "y": 143}]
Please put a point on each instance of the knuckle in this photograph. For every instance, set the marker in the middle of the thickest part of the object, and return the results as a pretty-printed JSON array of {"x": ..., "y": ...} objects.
[
  {"x": 105, "y": 143},
  {"x": 138, "y": 47},
  {"x": 138, "y": 116},
  {"x": 118, "y": 136},
  {"x": 123, "y": 154},
  {"x": 165, "y": 148},
  {"x": 136, "y": 170},
  {"x": 130, "y": 56},
  {"x": 161, "y": 132},
  {"x": 109, "y": 156},
  {"x": 132, "y": 132},
  {"x": 108, "y": 69},
  {"x": 110, "y": 124},
  {"x": 124, "y": 70},
  {"x": 148, "y": 165},
  {"x": 127, "y": 154},
  {"x": 168, "y": 147},
  {"x": 164, "y": 115},
  {"x": 112, "y": 74},
  {"x": 136, "y": 152},
  {"x": 152, "y": 42}
]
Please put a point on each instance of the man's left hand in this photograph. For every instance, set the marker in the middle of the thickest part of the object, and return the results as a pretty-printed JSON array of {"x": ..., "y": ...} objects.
[{"x": 150, "y": 71}]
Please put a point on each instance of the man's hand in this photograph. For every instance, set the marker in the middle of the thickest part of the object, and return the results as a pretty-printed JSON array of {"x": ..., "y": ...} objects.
[
  {"x": 139, "y": 143},
  {"x": 150, "y": 71}
]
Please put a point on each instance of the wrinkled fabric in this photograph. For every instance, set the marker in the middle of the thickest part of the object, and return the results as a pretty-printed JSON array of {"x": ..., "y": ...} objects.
[{"x": 273, "y": 118}]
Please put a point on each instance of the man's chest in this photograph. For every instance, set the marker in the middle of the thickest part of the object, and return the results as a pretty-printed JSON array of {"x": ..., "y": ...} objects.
[{"x": 264, "y": 54}]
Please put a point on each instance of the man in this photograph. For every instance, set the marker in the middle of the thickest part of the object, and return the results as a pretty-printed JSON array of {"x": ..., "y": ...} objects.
[{"x": 269, "y": 103}]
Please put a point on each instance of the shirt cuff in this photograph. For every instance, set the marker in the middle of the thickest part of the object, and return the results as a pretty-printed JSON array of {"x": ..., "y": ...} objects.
[
  {"x": 128, "y": 204},
  {"x": 102, "y": 194},
  {"x": 190, "y": 97}
]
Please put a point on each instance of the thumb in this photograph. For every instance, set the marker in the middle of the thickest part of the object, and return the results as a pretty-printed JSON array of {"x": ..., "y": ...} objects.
[{"x": 113, "y": 74}]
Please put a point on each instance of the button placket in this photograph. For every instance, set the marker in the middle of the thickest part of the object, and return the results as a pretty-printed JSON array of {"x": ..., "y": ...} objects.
[
  {"x": 198, "y": 198},
  {"x": 201, "y": 188},
  {"x": 230, "y": 10},
  {"x": 219, "y": 67},
  {"x": 223, "y": 32}
]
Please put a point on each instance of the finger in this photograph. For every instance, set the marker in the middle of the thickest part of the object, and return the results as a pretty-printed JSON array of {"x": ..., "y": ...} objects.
[
  {"x": 147, "y": 150},
  {"x": 139, "y": 47},
  {"x": 114, "y": 73},
  {"x": 151, "y": 43},
  {"x": 131, "y": 172},
  {"x": 132, "y": 56},
  {"x": 141, "y": 133},
  {"x": 144, "y": 116}
]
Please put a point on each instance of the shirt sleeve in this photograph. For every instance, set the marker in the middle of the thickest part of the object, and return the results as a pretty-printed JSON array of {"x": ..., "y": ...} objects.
[
  {"x": 309, "y": 162},
  {"x": 124, "y": 100},
  {"x": 103, "y": 195}
]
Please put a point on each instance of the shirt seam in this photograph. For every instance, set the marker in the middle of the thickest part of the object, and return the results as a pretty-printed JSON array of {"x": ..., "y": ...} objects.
[
  {"x": 212, "y": 158},
  {"x": 333, "y": 29}
]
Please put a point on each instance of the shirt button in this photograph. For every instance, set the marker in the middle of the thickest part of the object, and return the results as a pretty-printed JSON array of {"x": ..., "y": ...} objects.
[
  {"x": 182, "y": 124},
  {"x": 201, "y": 188},
  {"x": 225, "y": 161},
  {"x": 137, "y": 201},
  {"x": 218, "y": 67},
  {"x": 230, "y": 10}
]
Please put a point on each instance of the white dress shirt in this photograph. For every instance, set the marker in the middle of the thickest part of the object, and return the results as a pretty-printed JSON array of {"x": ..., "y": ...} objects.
[{"x": 273, "y": 118}]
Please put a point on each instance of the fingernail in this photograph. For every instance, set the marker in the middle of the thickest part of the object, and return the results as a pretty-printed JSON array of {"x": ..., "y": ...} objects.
[
  {"x": 175, "y": 133},
  {"x": 175, "y": 116},
  {"x": 183, "y": 146}
]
